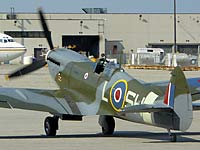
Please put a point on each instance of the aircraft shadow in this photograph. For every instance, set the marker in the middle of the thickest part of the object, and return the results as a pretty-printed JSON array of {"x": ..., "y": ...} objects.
[{"x": 159, "y": 137}]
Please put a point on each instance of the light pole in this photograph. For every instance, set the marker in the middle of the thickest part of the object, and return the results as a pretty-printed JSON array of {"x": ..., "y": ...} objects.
[
  {"x": 174, "y": 26},
  {"x": 174, "y": 49}
]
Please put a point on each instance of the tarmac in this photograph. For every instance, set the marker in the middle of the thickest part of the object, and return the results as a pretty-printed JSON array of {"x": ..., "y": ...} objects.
[{"x": 23, "y": 129}]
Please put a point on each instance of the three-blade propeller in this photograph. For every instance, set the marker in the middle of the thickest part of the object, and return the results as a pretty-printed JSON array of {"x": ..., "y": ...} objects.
[{"x": 37, "y": 64}]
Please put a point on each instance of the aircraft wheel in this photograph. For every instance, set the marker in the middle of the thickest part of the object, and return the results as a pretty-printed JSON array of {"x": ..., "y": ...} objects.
[
  {"x": 173, "y": 137},
  {"x": 108, "y": 124},
  {"x": 51, "y": 126}
]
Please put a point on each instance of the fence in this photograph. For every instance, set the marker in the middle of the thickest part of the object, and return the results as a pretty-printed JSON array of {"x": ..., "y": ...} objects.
[{"x": 182, "y": 59}]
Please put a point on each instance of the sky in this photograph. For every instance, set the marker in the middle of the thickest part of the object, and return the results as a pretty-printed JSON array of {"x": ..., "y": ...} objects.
[{"x": 113, "y": 6}]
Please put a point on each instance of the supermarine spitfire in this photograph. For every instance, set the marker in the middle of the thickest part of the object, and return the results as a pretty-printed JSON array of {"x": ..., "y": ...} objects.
[{"x": 87, "y": 89}]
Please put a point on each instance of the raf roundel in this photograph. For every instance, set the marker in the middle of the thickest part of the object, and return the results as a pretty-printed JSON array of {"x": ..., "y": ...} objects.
[
  {"x": 86, "y": 75},
  {"x": 118, "y": 94}
]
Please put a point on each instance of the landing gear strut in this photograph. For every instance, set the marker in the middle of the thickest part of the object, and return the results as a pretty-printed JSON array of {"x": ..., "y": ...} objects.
[
  {"x": 173, "y": 137},
  {"x": 108, "y": 124},
  {"x": 51, "y": 125}
]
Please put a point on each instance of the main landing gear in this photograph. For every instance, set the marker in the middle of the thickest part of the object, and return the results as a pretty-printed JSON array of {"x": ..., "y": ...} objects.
[
  {"x": 108, "y": 124},
  {"x": 51, "y": 125},
  {"x": 173, "y": 137}
]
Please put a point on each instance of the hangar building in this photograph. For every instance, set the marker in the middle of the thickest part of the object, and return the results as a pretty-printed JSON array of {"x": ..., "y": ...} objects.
[{"x": 104, "y": 33}]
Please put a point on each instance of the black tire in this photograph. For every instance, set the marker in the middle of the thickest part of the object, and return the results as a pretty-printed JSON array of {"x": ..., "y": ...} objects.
[
  {"x": 173, "y": 138},
  {"x": 50, "y": 126},
  {"x": 108, "y": 126}
]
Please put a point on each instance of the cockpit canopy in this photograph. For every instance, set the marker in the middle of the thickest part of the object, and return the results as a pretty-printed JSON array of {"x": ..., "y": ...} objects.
[
  {"x": 110, "y": 68},
  {"x": 5, "y": 38},
  {"x": 106, "y": 69}
]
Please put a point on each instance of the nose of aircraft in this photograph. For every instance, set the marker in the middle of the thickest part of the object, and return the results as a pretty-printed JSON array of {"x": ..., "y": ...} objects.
[
  {"x": 65, "y": 56},
  {"x": 18, "y": 45}
]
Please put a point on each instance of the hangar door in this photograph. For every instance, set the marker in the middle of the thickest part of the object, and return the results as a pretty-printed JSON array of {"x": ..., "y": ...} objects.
[{"x": 85, "y": 43}]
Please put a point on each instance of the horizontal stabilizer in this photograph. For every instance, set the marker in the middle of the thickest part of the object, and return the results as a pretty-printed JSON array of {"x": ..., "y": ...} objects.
[{"x": 145, "y": 108}]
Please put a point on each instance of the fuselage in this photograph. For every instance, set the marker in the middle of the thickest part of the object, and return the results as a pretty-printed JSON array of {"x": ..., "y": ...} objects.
[
  {"x": 106, "y": 93},
  {"x": 9, "y": 49}
]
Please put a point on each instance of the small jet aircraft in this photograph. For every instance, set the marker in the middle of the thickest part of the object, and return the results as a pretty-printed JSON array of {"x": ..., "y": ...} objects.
[
  {"x": 88, "y": 88},
  {"x": 9, "y": 49}
]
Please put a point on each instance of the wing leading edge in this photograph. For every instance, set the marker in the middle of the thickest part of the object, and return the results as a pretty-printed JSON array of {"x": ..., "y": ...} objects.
[{"x": 32, "y": 99}]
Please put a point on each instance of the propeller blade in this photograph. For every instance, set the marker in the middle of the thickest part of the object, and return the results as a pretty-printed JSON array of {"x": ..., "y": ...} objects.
[
  {"x": 46, "y": 29},
  {"x": 38, "y": 64},
  {"x": 27, "y": 69}
]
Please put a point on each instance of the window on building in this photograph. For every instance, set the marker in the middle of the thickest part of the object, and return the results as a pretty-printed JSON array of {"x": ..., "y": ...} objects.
[{"x": 26, "y": 34}]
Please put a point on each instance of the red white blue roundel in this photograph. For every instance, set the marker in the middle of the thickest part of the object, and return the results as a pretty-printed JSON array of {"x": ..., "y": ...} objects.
[{"x": 118, "y": 94}]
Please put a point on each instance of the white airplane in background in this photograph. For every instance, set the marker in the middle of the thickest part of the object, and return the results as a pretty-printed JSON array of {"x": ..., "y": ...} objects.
[{"x": 9, "y": 49}]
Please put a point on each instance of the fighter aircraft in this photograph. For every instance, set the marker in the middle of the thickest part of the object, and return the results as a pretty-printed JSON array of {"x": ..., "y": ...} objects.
[
  {"x": 9, "y": 49},
  {"x": 88, "y": 88}
]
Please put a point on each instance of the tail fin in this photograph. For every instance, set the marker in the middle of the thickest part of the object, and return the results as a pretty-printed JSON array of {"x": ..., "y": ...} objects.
[{"x": 178, "y": 97}]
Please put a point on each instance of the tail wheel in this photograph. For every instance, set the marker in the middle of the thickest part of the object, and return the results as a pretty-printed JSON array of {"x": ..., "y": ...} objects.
[
  {"x": 51, "y": 126},
  {"x": 173, "y": 138}
]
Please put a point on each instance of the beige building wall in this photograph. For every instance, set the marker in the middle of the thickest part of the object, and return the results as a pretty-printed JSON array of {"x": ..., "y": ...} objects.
[{"x": 132, "y": 30}]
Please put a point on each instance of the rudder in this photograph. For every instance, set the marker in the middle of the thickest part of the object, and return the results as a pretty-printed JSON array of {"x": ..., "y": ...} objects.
[{"x": 178, "y": 97}]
